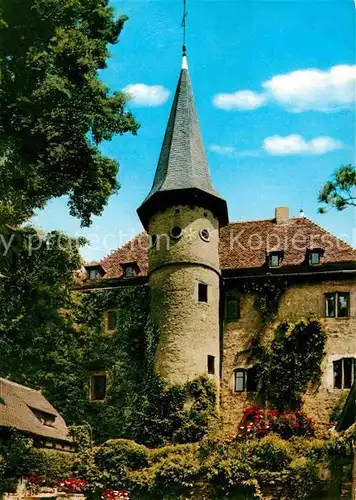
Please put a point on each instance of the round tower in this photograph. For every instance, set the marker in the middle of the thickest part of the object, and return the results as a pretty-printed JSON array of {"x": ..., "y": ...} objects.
[{"x": 182, "y": 215}]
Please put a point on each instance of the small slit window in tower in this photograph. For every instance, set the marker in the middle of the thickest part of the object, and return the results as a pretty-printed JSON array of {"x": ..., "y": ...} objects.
[
  {"x": 202, "y": 292},
  {"x": 211, "y": 364}
]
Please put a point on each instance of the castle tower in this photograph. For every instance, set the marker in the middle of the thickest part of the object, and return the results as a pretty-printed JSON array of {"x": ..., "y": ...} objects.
[{"x": 182, "y": 215}]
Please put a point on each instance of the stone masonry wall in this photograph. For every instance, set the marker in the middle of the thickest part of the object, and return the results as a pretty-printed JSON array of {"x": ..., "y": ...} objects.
[
  {"x": 298, "y": 301},
  {"x": 188, "y": 329}
]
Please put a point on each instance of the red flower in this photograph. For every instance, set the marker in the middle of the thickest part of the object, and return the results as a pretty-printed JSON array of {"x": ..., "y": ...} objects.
[
  {"x": 72, "y": 485},
  {"x": 110, "y": 494}
]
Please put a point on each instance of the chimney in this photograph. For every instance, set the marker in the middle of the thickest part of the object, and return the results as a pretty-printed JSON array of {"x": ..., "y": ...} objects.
[{"x": 282, "y": 215}]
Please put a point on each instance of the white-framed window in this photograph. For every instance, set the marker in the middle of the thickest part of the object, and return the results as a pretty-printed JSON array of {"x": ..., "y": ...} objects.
[
  {"x": 337, "y": 305},
  {"x": 344, "y": 371},
  {"x": 245, "y": 380}
]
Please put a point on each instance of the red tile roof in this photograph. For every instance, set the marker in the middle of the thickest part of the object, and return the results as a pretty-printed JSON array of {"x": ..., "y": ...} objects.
[
  {"x": 16, "y": 411},
  {"x": 243, "y": 245}
]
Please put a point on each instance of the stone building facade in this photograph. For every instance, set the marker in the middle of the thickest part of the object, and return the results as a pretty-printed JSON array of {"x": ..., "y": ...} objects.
[{"x": 198, "y": 266}]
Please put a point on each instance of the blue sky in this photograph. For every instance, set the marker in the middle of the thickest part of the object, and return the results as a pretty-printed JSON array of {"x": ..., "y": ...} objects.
[{"x": 274, "y": 85}]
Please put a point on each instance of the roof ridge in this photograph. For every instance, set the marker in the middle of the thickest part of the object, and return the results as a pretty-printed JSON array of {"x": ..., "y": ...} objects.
[
  {"x": 129, "y": 242},
  {"x": 331, "y": 234},
  {"x": 10, "y": 382}
]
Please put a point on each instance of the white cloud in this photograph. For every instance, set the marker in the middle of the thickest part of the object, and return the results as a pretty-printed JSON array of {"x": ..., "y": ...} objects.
[
  {"x": 242, "y": 99},
  {"x": 147, "y": 95},
  {"x": 232, "y": 152},
  {"x": 297, "y": 91},
  {"x": 223, "y": 150},
  {"x": 296, "y": 145},
  {"x": 313, "y": 89}
]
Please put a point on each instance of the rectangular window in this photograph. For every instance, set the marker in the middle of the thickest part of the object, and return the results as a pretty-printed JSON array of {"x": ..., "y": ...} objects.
[
  {"x": 251, "y": 380},
  {"x": 314, "y": 258},
  {"x": 202, "y": 292},
  {"x": 344, "y": 373},
  {"x": 239, "y": 380},
  {"x": 246, "y": 380},
  {"x": 275, "y": 259},
  {"x": 232, "y": 308},
  {"x": 93, "y": 274},
  {"x": 337, "y": 305},
  {"x": 129, "y": 271},
  {"x": 98, "y": 387},
  {"x": 343, "y": 300},
  {"x": 111, "y": 320},
  {"x": 211, "y": 364}
]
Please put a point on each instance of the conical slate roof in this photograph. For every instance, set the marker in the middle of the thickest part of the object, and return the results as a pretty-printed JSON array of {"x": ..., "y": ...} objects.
[{"x": 182, "y": 175}]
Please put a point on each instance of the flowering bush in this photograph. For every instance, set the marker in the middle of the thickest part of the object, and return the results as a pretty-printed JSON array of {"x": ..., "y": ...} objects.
[
  {"x": 72, "y": 485},
  {"x": 110, "y": 494},
  {"x": 34, "y": 480},
  {"x": 258, "y": 422}
]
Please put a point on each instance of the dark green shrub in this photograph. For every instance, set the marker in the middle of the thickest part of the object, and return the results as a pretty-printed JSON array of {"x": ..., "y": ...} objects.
[
  {"x": 175, "y": 477},
  {"x": 271, "y": 453},
  {"x": 303, "y": 480},
  {"x": 116, "y": 454},
  {"x": 53, "y": 465}
]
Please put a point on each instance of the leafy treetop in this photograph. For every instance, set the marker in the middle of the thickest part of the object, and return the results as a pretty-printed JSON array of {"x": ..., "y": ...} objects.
[
  {"x": 339, "y": 192},
  {"x": 54, "y": 109}
]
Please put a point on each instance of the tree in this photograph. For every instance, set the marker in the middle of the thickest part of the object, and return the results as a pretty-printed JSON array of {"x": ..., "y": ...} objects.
[
  {"x": 54, "y": 110},
  {"x": 339, "y": 192},
  {"x": 40, "y": 343}
]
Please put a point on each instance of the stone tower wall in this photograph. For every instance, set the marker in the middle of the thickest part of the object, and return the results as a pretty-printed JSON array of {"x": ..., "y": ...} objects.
[{"x": 188, "y": 328}]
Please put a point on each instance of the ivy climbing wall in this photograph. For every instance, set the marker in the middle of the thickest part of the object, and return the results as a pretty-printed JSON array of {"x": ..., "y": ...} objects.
[{"x": 297, "y": 303}]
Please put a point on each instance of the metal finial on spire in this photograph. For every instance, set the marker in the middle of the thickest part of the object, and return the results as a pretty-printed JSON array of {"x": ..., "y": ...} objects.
[{"x": 184, "y": 26}]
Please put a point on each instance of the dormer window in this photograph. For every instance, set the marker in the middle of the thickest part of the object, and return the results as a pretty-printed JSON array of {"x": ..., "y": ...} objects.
[
  {"x": 45, "y": 418},
  {"x": 94, "y": 271},
  {"x": 314, "y": 256},
  {"x": 130, "y": 269},
  {"x": 275, "y": 258}
]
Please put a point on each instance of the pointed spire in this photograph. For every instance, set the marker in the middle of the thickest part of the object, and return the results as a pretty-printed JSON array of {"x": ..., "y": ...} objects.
[{"x": 182, "y": 175}]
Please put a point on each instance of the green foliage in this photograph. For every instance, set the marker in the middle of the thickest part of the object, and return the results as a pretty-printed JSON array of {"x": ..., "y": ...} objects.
[
  {"x": 339, "y": 192},
  {"x": 304, "y": 479},
  {"x": 41, "y": 345},
  {"x": 179, "y": 414},
  {"x": 117, "y": 453},
  {"x": 268, "y": 293},
  {"x": 53, "y": 465},
  {"x": 54, "y": 338},
  {"x": 290, "y": 363},
  {"x": 272, "y": 453},
  {"x": 336, "y": 412},
  {"x": 55, "y": 111},
  {"x": 20, "y": 459},
  {"x": 209, "y": 469}
]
